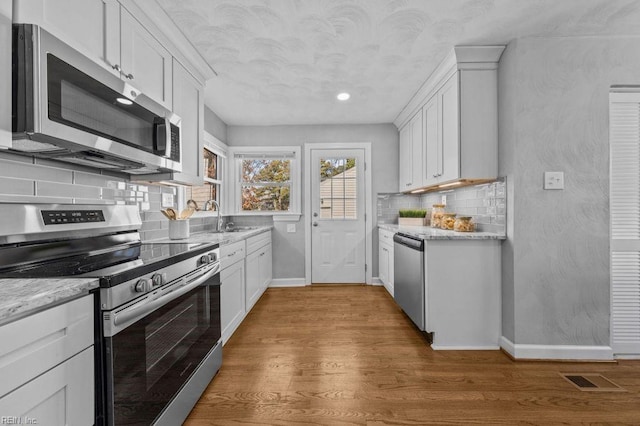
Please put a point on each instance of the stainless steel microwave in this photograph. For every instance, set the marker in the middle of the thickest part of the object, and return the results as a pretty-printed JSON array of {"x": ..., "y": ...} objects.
[{"x": 67, "y": 107}]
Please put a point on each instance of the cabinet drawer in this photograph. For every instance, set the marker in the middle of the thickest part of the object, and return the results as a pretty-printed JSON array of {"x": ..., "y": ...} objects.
[
  {"x": 257, "y": 241},
  {"x": 35, "y": 344},
  {"x": 385, "y": 237},
  {"x": 231, "y": 253}
]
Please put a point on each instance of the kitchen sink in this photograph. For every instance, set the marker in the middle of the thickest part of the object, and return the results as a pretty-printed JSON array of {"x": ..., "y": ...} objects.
[{"x": 236, "y": 229}]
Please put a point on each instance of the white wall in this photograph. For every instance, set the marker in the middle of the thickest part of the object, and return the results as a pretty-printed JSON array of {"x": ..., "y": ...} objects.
[
  {"x": 288, "y": 253},
  {"x": 553, "y": 106}
]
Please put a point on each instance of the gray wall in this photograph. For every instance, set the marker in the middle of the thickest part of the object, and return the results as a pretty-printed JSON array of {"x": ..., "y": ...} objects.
[
  {"x": 214, "y": 125},
  {"x": 288, "y": 250},
  {"x": 554, "y": 117}
]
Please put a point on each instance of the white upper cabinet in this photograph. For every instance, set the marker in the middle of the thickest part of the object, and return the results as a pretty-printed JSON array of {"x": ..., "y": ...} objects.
[
  {"x": 188, "y": 104},
  {"x": 404, "y": 165},
  {"x": 459, "y": 109},
  {"x": 108, "y": 34},
  {"x": 411, "y": 146},
  {"x": 90, "y": 26},
  {"x": 144, "y": 61},
  {"x": 433, "y": 147}
]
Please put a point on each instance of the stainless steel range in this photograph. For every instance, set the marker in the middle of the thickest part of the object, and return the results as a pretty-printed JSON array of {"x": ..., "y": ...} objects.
[{"x": 159, "y": 303}]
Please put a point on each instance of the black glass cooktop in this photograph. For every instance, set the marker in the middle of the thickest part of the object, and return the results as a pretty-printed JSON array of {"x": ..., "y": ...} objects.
[{"x": 113, "y": 259}]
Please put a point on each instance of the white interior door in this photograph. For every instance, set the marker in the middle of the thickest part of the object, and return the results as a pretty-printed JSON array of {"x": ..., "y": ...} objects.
[{"x": 338, "y": 216}]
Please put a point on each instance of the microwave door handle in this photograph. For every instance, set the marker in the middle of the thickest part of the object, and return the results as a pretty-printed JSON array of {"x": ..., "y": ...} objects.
[
  {"x": 162, "y": 136},
  {"x": 167, "y": 138}
]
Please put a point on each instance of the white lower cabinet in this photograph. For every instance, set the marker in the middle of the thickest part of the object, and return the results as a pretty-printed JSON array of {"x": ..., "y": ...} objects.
[
  {"x": 463, "y": 293},
  {"x": 385, "y": 259},
  {"x": 232, "y": 301},
  {"x": 47, "y": 366},
  {"x": 243, "y": 279},
  {"x": 63, "y": 395},
  {"x": 258, "y": 266}
]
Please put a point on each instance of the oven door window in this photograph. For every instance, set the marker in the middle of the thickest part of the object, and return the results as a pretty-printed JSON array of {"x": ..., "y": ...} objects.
[
  {"x": 79, "y": 101},
  {"x": 151, "y": 359}
]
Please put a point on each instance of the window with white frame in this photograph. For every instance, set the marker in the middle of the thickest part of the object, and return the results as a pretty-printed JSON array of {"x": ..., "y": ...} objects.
[{"x": 266, "y": 181}]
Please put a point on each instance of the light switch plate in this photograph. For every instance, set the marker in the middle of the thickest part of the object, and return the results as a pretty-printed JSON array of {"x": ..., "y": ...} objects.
[
  {"x": 444, "y": 200},
  {"x": 167, "y": 200},
  {"x": 291, "y": 228},
  {"x": 553, "y": 180}
]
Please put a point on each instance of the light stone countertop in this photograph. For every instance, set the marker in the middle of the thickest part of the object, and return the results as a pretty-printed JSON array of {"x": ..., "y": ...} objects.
[
  {"x": 221, "y": 238},
  {"x": 429, "y": 233},
  {"x": 20, "y": 297}
]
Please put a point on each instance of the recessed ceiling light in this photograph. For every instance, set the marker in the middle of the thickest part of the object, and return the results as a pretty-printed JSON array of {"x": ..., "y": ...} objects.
[
  {"x": 124, "y": 101},
  {"x": 344, "y": 96}
]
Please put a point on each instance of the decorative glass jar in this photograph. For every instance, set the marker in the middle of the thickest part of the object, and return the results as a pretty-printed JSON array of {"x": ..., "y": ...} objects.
[
  {"x": 447, "y": 221},
  {"x": 436, "y": 215},
  {"x": 464, "y": 224}
]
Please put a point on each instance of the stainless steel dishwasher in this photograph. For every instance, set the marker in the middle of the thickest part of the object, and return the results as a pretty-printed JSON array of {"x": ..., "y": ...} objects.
[{"x": 408, "y": 259}]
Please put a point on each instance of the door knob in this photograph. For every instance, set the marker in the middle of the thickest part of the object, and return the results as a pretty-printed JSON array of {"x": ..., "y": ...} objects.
[{"x": 315, "y": 223}]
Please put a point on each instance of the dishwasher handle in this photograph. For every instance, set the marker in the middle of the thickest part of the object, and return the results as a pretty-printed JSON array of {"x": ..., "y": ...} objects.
[{"x": 410, "y": 241}]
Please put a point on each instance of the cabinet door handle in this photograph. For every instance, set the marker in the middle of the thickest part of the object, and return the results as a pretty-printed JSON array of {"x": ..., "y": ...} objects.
[
  {"x": 129, "y": 76},
  {"x": 116, "y": 67}
]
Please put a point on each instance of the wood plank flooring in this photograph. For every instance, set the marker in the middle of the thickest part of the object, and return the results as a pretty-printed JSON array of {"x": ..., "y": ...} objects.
[{"x": 347, "y": 355}]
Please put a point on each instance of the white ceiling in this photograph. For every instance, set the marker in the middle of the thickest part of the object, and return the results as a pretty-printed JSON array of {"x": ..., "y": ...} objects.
[{"x": 284, "y": 61}]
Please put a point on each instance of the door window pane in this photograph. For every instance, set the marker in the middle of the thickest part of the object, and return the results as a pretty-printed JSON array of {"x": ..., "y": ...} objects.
[{"x": 338, "y": 188}]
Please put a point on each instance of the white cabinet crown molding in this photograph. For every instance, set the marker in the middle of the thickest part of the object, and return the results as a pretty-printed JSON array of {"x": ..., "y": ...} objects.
[{"x": 460, "y": 58}]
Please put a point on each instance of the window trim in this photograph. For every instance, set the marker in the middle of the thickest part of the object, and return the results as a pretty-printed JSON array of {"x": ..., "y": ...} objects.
[{"x": 235, "y": 184}]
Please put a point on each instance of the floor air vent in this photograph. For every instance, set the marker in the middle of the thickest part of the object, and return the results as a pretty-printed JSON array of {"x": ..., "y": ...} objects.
[{"x": 591, "y": 382}]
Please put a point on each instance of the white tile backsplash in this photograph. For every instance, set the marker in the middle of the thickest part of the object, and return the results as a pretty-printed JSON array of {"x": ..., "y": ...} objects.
[
  {"x": 27, "y": 180},
  {"x": 485, "y": 203}
]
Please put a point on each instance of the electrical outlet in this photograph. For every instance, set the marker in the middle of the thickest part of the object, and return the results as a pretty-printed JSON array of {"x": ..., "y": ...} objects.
[
  {"x": 291, "y": 228},
  {"x": 553, "y": 180},
  {"x": 444, "y": 200},
  {"x": 167, "y": 200}
]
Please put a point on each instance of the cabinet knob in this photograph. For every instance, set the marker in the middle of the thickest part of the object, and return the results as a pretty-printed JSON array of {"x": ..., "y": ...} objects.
[
  {"x": 315, "y": 214},
  {"x": 129, "y": 76},
  {"x": 116, "y": 67},
  {"x": 315, "y": 223}
]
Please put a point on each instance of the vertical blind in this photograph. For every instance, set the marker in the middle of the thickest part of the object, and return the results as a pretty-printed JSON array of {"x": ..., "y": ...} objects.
[{"x": 624, "y": 141}]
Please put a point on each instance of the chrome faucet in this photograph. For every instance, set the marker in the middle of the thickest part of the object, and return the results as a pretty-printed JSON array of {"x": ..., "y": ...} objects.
[{"x": 215, "y": 203}]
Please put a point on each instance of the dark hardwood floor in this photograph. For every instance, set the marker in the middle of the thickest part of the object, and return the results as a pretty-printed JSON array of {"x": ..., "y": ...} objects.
[{"x": 347, "y": 355}]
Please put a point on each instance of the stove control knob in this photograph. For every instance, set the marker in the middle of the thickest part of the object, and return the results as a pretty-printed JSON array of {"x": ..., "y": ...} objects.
[
  {"x": 204, "y": 259},
  {"x": 212, "y": 257},
  {"x": 157, "y": 280},
  {"x": 143, "y": 285}
]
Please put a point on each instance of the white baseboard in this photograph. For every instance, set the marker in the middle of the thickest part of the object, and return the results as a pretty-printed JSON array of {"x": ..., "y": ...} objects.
[
  {"x": 288, "y": 282},
  {"x": 376, "y": 281},
  {"x": 627, "y": 356},
  {"x": 464, "y": 348},
  {"x": 559, "y": 352}
]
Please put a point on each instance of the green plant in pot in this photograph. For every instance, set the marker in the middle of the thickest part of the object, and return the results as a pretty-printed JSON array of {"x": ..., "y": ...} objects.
[{"x": 412, "y": 217}]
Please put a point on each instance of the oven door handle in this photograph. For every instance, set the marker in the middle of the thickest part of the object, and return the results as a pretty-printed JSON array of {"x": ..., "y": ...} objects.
[{"x": 128, "y": 316}]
